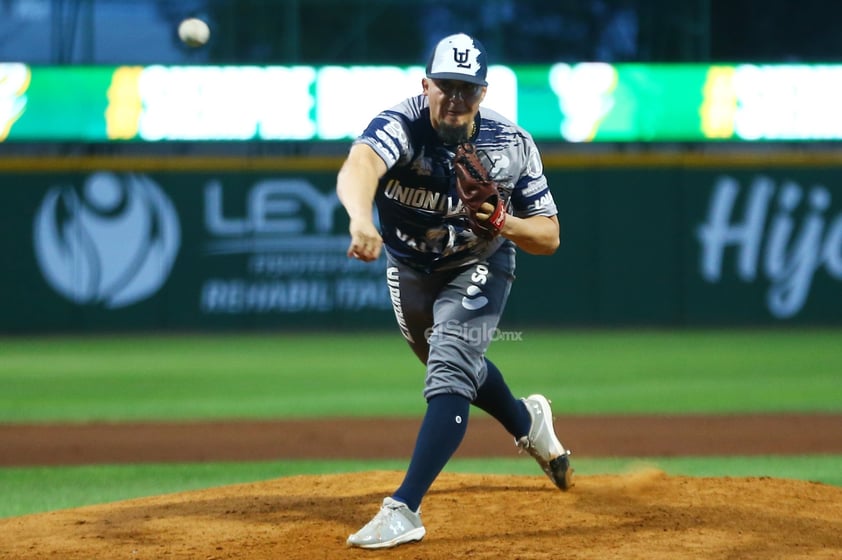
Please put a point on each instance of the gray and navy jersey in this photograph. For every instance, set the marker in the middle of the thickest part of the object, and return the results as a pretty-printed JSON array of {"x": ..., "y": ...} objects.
[{"x": 422, "y": 220}]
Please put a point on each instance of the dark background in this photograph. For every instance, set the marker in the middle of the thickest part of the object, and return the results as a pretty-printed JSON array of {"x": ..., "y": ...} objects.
[{"x": 403, "y": 31}]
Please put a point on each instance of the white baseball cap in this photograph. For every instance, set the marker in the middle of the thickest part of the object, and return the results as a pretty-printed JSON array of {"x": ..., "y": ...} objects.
[{"x": 459, "y": 57}]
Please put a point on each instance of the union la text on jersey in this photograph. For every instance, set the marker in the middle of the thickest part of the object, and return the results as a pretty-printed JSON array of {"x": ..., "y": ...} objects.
[{"x": 422, "y": 220}]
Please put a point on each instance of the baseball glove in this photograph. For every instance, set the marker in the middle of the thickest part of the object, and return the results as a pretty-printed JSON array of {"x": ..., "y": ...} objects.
[{"x": 475, "y": 187}]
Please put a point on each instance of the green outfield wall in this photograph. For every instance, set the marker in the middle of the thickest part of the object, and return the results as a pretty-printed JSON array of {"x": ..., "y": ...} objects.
[{"x": 92, "y": 245}]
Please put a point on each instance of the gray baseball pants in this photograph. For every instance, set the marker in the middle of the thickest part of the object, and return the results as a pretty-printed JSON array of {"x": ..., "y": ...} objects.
[{"x": 450, "y": 317}]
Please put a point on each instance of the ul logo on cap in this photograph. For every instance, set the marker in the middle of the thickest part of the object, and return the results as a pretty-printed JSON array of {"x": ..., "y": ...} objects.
[{"x": 461, "y": 58}]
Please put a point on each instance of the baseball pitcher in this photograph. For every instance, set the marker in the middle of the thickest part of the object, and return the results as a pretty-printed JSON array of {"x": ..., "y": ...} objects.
[{"x": 457, "y": 190}]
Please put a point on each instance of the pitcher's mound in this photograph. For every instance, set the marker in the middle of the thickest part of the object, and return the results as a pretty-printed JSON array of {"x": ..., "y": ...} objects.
[{"x": 647, "y": 515}]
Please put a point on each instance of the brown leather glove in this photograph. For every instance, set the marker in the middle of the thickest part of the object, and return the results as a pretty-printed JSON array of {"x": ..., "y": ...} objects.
[{"x": 475, "y": 187}]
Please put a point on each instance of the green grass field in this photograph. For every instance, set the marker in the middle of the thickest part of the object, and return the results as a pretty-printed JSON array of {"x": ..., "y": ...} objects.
[{"x": 284, "y": 375}]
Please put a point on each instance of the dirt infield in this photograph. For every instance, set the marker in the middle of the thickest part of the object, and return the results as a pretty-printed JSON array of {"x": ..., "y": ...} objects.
[
  {"x": 643, "y": 514},
  {"x": 587, "y": 436}
]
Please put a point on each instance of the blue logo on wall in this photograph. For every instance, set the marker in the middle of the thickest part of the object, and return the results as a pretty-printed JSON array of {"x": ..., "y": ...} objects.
[{"x": 112, "y": 243}]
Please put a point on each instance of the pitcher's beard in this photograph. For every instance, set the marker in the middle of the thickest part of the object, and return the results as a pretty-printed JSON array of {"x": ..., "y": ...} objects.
[{"x": 452, "y": 135}]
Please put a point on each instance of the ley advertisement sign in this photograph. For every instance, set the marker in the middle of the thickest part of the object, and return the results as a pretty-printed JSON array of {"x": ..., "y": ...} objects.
[{"x": 109, "y": 251}]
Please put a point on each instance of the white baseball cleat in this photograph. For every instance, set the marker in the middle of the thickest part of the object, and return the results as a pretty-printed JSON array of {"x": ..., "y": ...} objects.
[
  {"x": 394, "y": 524},
  {"x": 543, "y": 445}
]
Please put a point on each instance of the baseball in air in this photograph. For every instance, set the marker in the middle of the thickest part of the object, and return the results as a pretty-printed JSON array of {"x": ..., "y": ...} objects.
[{"x": 194, "y": 32}]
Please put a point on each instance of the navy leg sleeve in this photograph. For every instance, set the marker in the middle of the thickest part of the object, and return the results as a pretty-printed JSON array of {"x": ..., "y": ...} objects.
[
  {"x": 495, "y": 398},
  {"x": 441, "y": 433}
]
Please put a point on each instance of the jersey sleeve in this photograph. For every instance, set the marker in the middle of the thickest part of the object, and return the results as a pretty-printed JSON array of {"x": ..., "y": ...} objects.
[
  {"x": 388, "y": 134},
  {"x": 531, "y": 195}
]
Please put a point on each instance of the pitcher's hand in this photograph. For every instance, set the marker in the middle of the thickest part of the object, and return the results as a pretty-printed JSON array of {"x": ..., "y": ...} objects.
[{"x": 366, "y": 242}]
